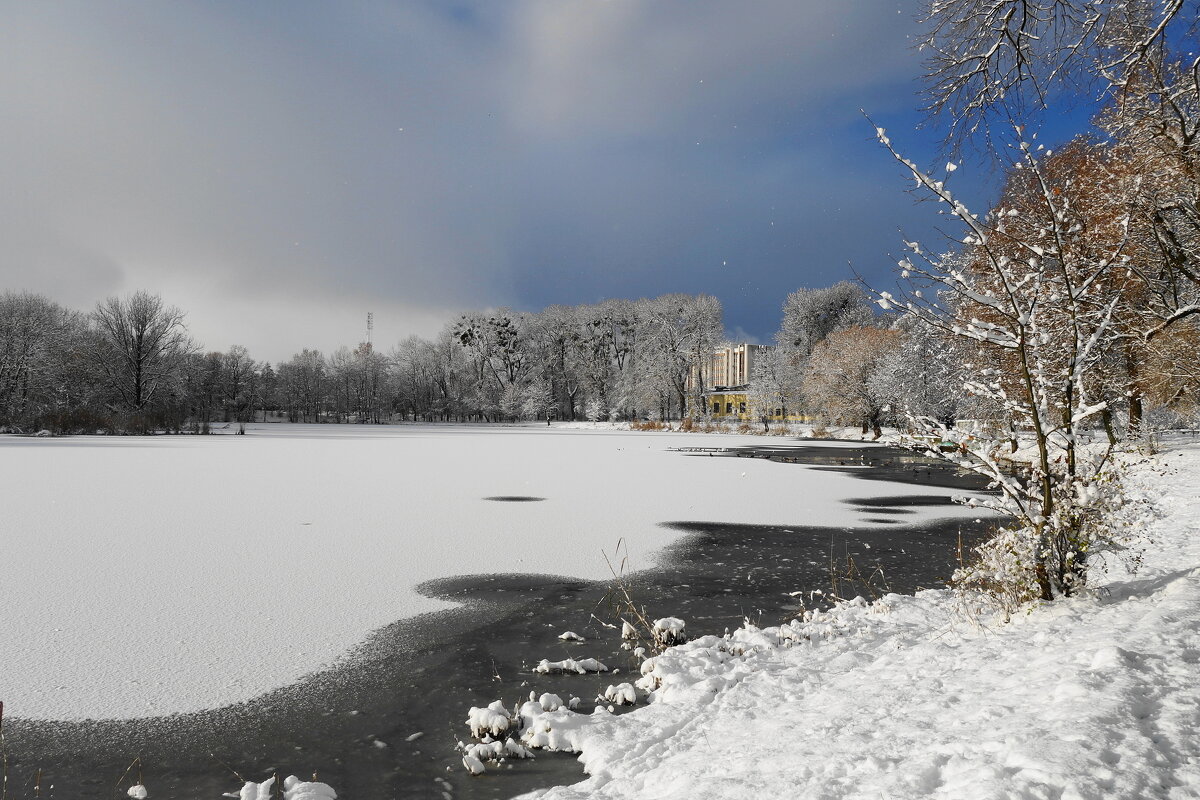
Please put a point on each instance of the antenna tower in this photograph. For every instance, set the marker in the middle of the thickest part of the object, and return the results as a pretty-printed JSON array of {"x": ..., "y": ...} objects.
[{"x": 370, "y": 326}]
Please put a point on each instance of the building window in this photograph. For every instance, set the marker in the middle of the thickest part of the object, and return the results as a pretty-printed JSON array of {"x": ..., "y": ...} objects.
[
  {"x": 729, "y": 408},
  {"x": 716, "y": 408},
  {"x": 741, "y": 408}
]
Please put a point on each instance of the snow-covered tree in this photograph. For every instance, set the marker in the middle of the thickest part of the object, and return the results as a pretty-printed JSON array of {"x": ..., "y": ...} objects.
[
  {"x": 537, "y": 399},
  {"x": 679, "y": 331},
  {"x": 1028, "y": 299},
  {"x": 838, "y": 382},
  {"x": 922, "y": 376},
  {"x": 595, "y": 410},
  {"x": 771, "y": 388},
  {"x": 303, "y": 386},
  {"x": 41, "y": 374},
  {"x": 810, "y": 315},
  {"x": 995, "y": 61}
]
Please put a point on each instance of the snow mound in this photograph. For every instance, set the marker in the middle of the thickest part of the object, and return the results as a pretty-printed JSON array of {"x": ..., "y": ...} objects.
[
  {"x": 293, "y": 789},
  {"x": 622, "y": 694},
  {"x": 580, "y": 667},
  {"x": 548, "y": 702}
]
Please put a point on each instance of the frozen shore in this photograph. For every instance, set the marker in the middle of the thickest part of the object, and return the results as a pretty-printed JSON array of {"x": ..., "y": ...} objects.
[{"x": 924, "y": 696}]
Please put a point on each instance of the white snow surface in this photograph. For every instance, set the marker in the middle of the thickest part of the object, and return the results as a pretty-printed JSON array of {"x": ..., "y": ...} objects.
[
  {"x": 143, "y": 576},
  {"x": 925, "y": 697}
]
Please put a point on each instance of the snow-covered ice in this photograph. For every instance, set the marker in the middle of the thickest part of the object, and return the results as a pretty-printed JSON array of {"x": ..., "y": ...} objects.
[
  {"x": 151, "y": 575},
  {"x": 1090, "y": 698}
]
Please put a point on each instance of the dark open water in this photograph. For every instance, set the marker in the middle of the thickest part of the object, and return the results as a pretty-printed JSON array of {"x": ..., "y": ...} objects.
[{"x": 351, "y": 724}]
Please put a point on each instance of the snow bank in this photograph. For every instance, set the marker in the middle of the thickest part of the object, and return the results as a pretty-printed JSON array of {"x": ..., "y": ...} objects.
[
  {"x": 928, "y": 696},
  {"x": 147, "y": 576}
]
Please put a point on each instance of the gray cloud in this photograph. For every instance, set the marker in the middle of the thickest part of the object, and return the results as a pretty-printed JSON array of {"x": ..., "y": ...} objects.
[{"x": 279, "y": 169}]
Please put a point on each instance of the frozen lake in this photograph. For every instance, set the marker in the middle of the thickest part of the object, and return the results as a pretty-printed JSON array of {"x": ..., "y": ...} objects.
[{"x": 150, "y": 576}]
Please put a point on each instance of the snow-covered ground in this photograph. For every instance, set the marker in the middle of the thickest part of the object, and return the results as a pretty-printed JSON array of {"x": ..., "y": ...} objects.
[
  {"x": 913, "y": 697},
  {"x": 146, "y": 576}
]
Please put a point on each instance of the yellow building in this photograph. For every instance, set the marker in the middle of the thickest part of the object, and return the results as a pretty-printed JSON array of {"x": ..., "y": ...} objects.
[{"x": 723, "y": 382}]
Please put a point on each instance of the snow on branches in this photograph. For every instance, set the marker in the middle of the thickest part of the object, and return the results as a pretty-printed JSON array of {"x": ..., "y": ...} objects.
[{"x": 1032, "y": 297}]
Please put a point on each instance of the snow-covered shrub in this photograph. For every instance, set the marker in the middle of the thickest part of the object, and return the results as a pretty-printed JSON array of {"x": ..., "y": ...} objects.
[
  {"x": 669, "y": 632},
  {"x": 491, "y": 721},
  {"x": 1003, "y": 568},
  {"x": 1103, "y": 521},
  {"x": 497, "y": 730},
  {"x": 476, "y": 755}
]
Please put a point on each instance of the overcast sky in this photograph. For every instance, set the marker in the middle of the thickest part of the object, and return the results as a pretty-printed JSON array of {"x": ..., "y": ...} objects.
[{"x": 279, "y": 169}]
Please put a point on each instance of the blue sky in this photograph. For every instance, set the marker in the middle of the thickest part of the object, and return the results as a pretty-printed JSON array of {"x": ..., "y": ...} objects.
[{"x": 279, "y": 169}]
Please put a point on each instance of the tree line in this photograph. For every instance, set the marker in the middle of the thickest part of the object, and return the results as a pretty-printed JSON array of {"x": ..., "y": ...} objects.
[{"x": 130, "y": 365}]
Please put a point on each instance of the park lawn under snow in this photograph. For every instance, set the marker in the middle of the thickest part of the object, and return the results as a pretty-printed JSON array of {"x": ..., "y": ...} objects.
[
  {"x": 151, "y": 575},
  {"x": 911, "y": 697}
]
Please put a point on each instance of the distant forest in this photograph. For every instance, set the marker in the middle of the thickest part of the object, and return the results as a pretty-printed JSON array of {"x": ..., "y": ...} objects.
[{"x": 130, "y": 366}]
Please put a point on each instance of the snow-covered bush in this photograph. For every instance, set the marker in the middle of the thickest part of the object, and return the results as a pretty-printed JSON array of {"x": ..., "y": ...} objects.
[{"x": 498, "y": 731}]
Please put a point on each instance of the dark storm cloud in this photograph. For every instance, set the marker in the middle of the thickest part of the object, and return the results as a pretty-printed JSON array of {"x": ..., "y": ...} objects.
[{"x": 278, "y": 169}]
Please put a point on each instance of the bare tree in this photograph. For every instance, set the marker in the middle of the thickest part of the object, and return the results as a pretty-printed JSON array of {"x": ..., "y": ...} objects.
[
  {"x": 837, "y": 382},
  {"x": 1007, "y": 60},
  {"x": 139, "y": 348}
]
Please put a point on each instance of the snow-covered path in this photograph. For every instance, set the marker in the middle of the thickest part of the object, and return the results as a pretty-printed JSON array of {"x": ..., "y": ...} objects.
[{"x": 1095, "y": 697}]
